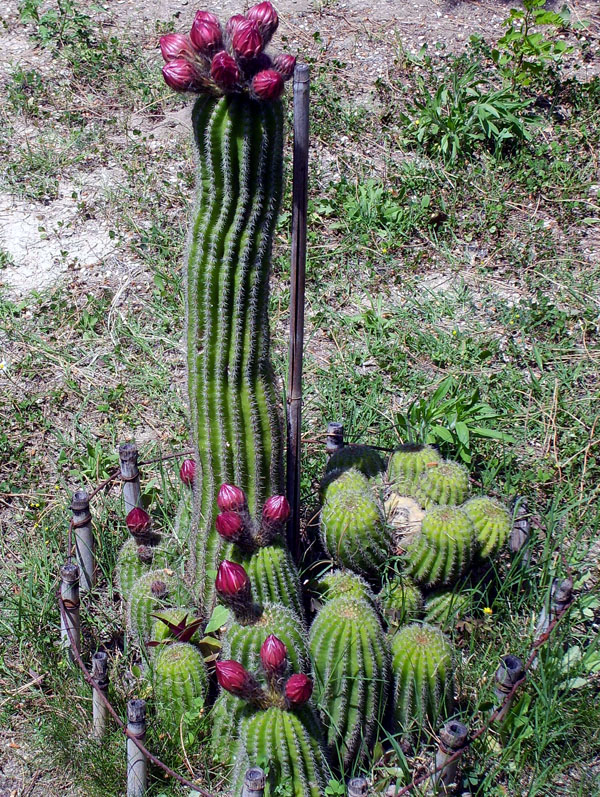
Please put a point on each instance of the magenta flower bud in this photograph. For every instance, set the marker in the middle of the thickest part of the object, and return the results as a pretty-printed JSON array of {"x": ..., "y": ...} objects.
[
  {"x": 298, "y": 689},
  {"x": 206, "y": 35},
  {"x": 232, "y": 579},
  {"x": 234, "y": 678},
  {"x": 267, "y": 85},
  {"x": 187, "y": 471},
  {"x": 273, "y": 655},
  {"x": 180, "y": 75},
  {"x": 276, "y": 509},
  {"x": 176, "y": 45},
  {"x": 246, "y": 40},
  {"x": 138, "y": 521},
  {"x": 206, "y": 16},
  {"x": 285, "y": 65},
  {"x": 229, "y": 525},
  {"x": 231, "y": 498},
  {"x": 224, "y": 70},
  {"x": 233, "y": 24},
  {"x": 266, "y": 18}
]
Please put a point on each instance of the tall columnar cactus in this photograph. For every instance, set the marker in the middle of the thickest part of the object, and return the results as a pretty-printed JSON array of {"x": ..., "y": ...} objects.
[
  {"x": 351, "y": 661},
  {"x": 492, "y": 522},
  {"x": 238, "y": 132},
  {"x": 443, "y": 550},
  {"x": 180, "y": 679},
  {"x": 423, "y": 677},
  {"x": 353, "y": 529},
  {"x": 444, "y": 483},
  {"x": 408, "y": 462},
  {"x": 151, "y": 593}
]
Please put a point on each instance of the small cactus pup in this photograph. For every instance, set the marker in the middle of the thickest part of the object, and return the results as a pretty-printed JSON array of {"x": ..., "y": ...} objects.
[
  {"x": 492, "y": 522},
  {"x": 443, "y": 550},
  {"x": 134, "y": 560},
  {"x": 445, "y": 483},
  {"x": 152, "y": 593},
  {"x": 351, "y": 663},
  {"x": 365, "y": 459},
  {"x": 179, "y": 679},
  {"x": 335, "y": 481},
  {"x": 400, "y": 602},
  {"x": 353, "y": 529},
  {"x": 445, "y": 608},
  {"x": 423, "y": 677},
  {"x": 344, "y": 583},
  {"x": 238, "y": 130},
  {"x": 408, "y": 462}
]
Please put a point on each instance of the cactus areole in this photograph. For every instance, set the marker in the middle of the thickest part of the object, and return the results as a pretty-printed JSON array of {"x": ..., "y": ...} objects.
[{"x": 238, "y": 131}]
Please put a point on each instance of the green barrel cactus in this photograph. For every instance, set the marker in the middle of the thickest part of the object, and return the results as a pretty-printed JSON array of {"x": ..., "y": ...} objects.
[
  {"x": 423, "y": 677},
  {"x": 180, "y": 681},
  {"x": 274, "y": 577},
  {"x": 353, "y": 529},
  {"x": 153, "y": 592},
  {"x": 365, "y": 459},
  {"x": 290, "y": 743},
  {"x": 134, "y": 560},
  {"x": 444, "y": 483},
  {"x": 344, "y": 583},
  {"x": 492, "y": 522},
  {"x": 400, "y": 602},
  {"x": 226, "y": 717},
  {"x": 339, "y": 481},
  {"x": 351, "y": 663},
  {"x": 442, "y": 552},
  {"x": 408, "y": 462},
  {"x": 445, "y": 608}
]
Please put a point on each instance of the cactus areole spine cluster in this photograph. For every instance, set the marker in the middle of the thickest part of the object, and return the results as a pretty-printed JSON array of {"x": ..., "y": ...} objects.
[{"x": 238, "y": 131}]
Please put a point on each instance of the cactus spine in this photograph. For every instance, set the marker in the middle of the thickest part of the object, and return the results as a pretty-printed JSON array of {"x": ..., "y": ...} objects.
[
  {"x": 443, "y": 550},
  {"x": 179, "y": 678},
  {"x": 351, "y": 661},
  {"x": 423, "y": 677},
  {"x": 235, "y": 418},
  {"x": 492, "y": 522}
]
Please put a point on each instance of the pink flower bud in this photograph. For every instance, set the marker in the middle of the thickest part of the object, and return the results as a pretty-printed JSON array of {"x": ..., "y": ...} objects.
[
  {"x": 187, "y": 471},
  {"x": 229, "y": 525},
  {"x": 232, "y": 579},
  {"x": 224, "y": 70},
  {"x": 267, "y": 85},
  {"x": 180, "y": 75},
  {"x": 246, "y": 40},
  {"x": 234, "y": 678},
  {"x": 285, "y": 65},
  {"x": 231, "y": 498},
  {"x": 266, "y": 18},
  {"x": 276, "y": 509},
  {"x": 233, "y": 24},
  {"x": 273, "y": 655},
  {"x": 175, "y": 45},
  {"x": 206, "y": 16},
  {"x": 206, "y": 35},
  {"x": 298, "y": 689},
  {"x": 138, "y": 520}
]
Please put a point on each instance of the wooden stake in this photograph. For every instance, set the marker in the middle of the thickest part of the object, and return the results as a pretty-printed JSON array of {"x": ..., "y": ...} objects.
[
  {"x": 453, "y": 736},
  {"x": 508, "y": 673},
  {"x": 297, "y": 292},
  {"x": 335, "y": 437},
  {"x": 519, "y": 535},
  {"x": 69, "y": 592},
  {"x": 99, "y": 710},
  {"x": 84, "y": 540},
  {"x": 254, "y": 783},
  {"x": 137, "y": 763},
  {"x": 357, "y": 787},
  {"x": 128, "y": 455}
]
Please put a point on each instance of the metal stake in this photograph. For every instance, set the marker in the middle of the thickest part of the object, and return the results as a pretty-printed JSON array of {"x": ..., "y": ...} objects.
[
  {"x": 69, "y": 592},
  {"x": 335, "y": 437},
  {"x": 132, "y": 496},
  {"x": 453, "y": 737},
  {"x": 137, "y": 763},
  {"x": 84, "y": 540},
  {"x": 99, "y": 710},
  {"x": 297, "y": 291}
]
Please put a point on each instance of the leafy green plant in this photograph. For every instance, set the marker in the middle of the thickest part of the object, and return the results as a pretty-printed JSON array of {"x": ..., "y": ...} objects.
[{"x": 451, "y": 419}]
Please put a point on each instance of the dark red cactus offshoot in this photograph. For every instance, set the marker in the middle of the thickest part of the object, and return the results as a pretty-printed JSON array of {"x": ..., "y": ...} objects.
[
  {"x": 266, "y": 19},
  {"x": 187, "y": 471},
  {"x": 273, "y": 655},
  {"x": 268, "y": 85},
  {"x": 298, "y": 689},
  {"x": 229, "y": 526},
  {"x": 232, "y": 580},
  {"x": 224, "y": 70},
  {"x": 234, "y": 678},
  {"x": 231, "y": 498},
  {"x": 246, "y": 41}
]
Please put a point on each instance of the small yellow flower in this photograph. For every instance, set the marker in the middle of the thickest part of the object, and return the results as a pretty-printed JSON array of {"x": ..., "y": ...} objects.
[{"x": 487, "y": 611}]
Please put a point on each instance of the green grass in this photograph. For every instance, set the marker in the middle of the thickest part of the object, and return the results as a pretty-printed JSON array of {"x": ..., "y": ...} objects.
[{"x": 419, "y": 271}]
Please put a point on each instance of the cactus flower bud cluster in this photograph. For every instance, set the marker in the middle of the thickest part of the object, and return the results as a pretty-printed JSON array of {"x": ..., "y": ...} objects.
[
  {"x": 231, "y": 61},
  {"x": 234, "y": 523}
]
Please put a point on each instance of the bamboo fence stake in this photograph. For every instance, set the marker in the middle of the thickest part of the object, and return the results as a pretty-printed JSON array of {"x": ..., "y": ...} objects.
[
  {"x": 561, "y": 594},
  {"x": 69, "y": 592},
  {"x": 453, "y": 737},
  {"x": 521, "y": 529},
  {"x": 335, "y": 437},
  {"x": 357, "y": 787},
  {"x": 99, "y": 710},
  {"x": 128, "y": 456},
  {"x": 254, "y": 783},
  {"x": 508, "y": 673},
  {"x": 84, "y": 540},
  {"x": 297, "y": 291},
  {"x": 137, "y": 763}
]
